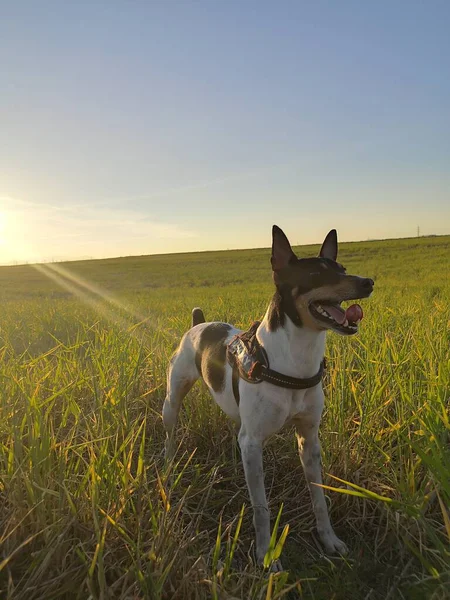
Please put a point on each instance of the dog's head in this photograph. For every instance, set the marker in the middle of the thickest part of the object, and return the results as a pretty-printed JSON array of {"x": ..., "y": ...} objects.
[{"x": 316, "y": 287}]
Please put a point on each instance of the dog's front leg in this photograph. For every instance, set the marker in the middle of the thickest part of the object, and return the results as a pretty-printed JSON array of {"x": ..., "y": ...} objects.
[
  {"x": 252, "y": 458},
  {"x": 309, "y": 450}
]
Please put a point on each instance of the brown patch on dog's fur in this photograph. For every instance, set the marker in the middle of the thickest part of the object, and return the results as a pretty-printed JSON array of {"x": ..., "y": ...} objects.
[{"x": 308, "y": 320}]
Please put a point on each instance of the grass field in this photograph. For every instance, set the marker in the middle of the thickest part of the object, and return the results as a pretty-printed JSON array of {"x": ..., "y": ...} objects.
[{"x": 86, "y": 508}]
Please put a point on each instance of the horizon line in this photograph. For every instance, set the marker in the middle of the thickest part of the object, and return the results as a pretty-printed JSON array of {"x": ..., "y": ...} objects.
[{"x": 91, "y": 259}]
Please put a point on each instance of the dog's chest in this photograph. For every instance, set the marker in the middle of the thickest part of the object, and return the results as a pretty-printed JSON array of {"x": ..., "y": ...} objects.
[{"x": 306, "y": 403}]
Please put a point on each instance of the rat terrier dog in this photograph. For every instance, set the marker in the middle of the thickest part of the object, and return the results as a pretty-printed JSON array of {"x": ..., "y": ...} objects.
[{"x": 274, "y": 371}]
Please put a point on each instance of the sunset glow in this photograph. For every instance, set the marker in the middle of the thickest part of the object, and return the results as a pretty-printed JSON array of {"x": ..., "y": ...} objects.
[{"x": 150, "y": 136}]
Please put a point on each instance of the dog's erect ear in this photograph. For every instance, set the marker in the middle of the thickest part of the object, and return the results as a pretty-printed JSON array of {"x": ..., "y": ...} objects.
[
  {"x": 330, "y": 246},
  {"x": 282, "y": 253}
]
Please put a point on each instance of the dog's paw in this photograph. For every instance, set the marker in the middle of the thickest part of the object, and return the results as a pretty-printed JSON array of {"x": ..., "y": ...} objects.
[
  {"x": 332, "y": 544},
  {"x": 276, "y": 567}
]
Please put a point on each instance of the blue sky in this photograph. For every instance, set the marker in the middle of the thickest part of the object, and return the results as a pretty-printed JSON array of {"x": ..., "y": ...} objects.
[{"x": 144, "y": 127}]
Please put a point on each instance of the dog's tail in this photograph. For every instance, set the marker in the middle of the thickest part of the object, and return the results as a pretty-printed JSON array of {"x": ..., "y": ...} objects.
[{"x": 197, "y": 316}]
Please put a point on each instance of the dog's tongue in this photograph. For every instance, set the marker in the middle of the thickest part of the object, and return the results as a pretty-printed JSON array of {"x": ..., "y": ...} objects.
[
  {"x": 353, "y": 313},
  {"x": 336, "y": 312}
]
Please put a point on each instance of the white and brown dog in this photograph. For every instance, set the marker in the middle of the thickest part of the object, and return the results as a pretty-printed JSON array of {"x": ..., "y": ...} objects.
[{"x": 287, "y": 386}]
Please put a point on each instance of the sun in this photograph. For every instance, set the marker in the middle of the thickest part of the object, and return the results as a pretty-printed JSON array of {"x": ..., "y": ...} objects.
[
  {"x": 3, "y": 226},
  {"x": 9, "y": 240},
  {"x": 15, "y": 244}
]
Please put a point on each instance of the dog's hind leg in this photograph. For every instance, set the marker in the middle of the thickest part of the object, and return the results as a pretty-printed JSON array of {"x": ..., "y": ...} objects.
[{"x": 181, "y": 377}]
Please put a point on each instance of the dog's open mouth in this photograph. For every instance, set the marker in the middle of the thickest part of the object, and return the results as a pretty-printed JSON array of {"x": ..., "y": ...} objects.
[{"x": 339, "y": 319}]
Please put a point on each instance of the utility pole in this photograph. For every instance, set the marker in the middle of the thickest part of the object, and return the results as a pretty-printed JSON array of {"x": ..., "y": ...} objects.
[{"x": 418, "y": 231}]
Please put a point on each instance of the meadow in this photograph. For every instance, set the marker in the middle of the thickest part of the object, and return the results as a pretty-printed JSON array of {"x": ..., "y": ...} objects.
[{"x": 87, "y": 507}]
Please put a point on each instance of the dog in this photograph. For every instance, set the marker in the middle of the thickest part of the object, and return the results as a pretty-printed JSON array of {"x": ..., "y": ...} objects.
[{"x": 290, "y": 346}]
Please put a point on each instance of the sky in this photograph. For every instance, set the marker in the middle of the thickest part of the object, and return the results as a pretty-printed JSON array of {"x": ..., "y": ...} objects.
[{"x": 141, "y": 127}]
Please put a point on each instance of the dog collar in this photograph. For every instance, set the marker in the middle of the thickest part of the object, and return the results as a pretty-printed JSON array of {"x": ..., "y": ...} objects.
[
  {"x": 285, "y": 381},
  {"x": 250, "y": 362}
]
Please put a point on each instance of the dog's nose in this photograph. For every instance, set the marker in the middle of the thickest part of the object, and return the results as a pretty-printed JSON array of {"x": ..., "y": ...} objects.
[{"x": 368, "y": 284}]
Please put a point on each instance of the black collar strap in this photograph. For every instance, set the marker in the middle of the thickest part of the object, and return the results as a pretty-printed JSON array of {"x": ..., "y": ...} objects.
[{"x": 263, "y": 372}]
